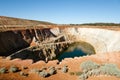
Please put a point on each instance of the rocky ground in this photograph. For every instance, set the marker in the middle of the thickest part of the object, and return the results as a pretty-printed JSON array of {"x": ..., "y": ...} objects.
[{"x": 73, "y": 65}]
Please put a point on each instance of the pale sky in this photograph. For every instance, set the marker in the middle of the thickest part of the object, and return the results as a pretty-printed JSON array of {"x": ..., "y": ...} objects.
[{"x": 63, "y": 11}]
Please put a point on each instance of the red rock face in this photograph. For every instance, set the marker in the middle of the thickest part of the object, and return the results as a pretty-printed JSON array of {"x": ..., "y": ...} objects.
[{"x": 10, "y": 41}]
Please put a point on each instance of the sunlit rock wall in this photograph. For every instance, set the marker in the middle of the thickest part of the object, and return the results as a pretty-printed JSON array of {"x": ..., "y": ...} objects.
[{"x": 102, "y": 40}]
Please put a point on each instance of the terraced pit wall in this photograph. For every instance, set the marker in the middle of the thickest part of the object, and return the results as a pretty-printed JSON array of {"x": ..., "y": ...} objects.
[
  {"x": 12, "y": 41},
  {"x": 103, "y": 40}
]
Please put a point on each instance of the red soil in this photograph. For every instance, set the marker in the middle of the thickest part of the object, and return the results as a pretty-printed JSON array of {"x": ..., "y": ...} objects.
[{"x": 73, "y": 65}]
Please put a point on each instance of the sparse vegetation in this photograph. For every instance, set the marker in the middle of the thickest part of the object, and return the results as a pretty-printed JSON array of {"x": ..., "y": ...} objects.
[
  {"x": 83, "y": 76},
  {"x": 13, "y": 69},
  {"x": 110, "y": 69},
  {"x": 90, "y": 68},
  {"x": 88, "y": 65},
  {"x": 43, "y": 74},
  {"x": 102, "y": 24},
  {"x": 23, "y": 74},
  {"x": 75, "y": 73},
  {"x": 65, "y": 69},
  {"x": 71, "y": 73},
  {"x": 52, "y": 70},
  {"x": 3, "y": 70},
  {"x": 35, "y": 71},
  {"x": 78, "y": 73},
  {"x": 97, "y": 24}
]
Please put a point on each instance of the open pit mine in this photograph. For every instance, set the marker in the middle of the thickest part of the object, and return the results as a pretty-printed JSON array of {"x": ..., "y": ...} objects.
[{"x": 33, "y": 46}]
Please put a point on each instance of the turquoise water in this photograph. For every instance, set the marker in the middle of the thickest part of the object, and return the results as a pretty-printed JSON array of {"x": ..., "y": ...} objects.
[{"x": 75, "y": 52}]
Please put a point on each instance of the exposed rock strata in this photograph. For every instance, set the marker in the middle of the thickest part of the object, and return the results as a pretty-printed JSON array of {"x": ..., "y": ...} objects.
[
  {"x": 11, "y": 41},
  {"x": 102, "y": 40}
]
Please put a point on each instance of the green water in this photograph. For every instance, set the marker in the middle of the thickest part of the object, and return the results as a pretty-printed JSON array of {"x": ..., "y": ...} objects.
[{"x": 77, "y": 50}]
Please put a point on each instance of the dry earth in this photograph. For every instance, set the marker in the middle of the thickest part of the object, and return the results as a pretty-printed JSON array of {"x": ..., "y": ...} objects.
[{"x": 73, "y": 65}]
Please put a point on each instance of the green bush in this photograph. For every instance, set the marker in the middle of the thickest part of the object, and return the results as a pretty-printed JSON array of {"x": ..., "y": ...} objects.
[
  {"x": 118, "y": 75},
  {"x": 88, "y": 65},
  {"x": 13, "y": 69},
  {"x": 3, "y": 70},
  {"x": 110, "y": 69},
  {"x": 90, "y": 68},
  {"x": 43, "y": 74}
]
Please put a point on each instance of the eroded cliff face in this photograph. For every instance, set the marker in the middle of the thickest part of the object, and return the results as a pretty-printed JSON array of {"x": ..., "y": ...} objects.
[
  {"x": 11, "y": 41},
  {"x": 102, "y": 40}
]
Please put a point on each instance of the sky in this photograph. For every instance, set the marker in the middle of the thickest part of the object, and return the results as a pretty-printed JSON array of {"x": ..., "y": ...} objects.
[{"x": 63, "y": 11}]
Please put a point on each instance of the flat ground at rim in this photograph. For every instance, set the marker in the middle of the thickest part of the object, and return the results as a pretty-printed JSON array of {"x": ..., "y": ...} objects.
[{"x": 73, "y": 65}]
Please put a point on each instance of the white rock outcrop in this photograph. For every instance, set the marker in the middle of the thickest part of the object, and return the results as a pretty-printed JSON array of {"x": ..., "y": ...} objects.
[
  {"x": 103, "y": 40},
  {"x": 55, "y": 31}
]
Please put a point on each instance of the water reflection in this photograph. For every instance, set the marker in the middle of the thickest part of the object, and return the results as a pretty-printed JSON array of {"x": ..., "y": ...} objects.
[
  {"x": 77, "y": 50},
  {"x": 75, "y": 53}
]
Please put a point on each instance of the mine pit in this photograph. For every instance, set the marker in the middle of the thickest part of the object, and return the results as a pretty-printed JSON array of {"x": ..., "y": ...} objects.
[
  {"x": 44, "y": 44},
  {"x": 56, "y": 43},
  {"x": 33, "y": 50}
]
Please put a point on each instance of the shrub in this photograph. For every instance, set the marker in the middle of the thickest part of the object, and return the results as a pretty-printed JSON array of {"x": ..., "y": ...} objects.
[
  {"x": 52, "y": 70},
  {"x": 95, "y": 69},
  {"x": 35, "y": 71},
  {"x": 51, "y": 67},
  {"x": 43, "y": 74},
  {"x": 110, "y": 69},
  {"x": 13, "y": 69},
  {"x": 65, "y": 69},
  {"x": 78, "y": 73},
  {"x": 118, "y": 75},
  {"x": 83, "y": 77},
  {"x": 72, "y": 73},
  {"x": 23, "y": 74},
  {"x": 88, "y": 65},
  {"x": 94, "y": 72},
  {"x": 90, "y": 73},
  {"x": 3, "y": 70},
  {"x": 85, "y": 71},
  {"x": 75, "y": 73}
]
